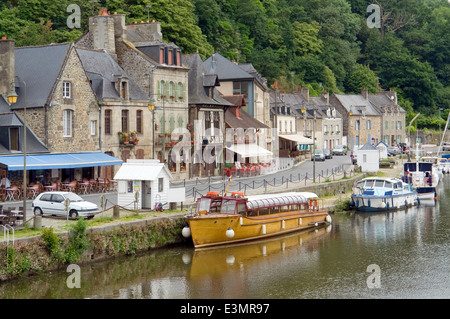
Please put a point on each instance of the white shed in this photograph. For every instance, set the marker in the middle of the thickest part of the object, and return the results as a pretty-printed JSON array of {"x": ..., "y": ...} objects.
[
  {"x": 368, "y": 158},
  {"x": 145, "y": 183},
  {"x": 382, "y": 149}
]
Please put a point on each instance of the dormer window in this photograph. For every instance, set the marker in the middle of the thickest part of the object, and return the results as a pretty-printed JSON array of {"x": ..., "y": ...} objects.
[
  {"x": 14, "y": 138},
  {"x": 161, "y": 55},
  {"x": 122, "y": 88}
]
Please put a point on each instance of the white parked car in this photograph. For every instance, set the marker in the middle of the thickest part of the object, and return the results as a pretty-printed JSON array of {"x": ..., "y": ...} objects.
[{"x": 52, "y": 203}]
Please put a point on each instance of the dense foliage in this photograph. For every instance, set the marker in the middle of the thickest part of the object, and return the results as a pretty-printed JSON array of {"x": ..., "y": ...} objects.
[{"x": 319, "y": 43}]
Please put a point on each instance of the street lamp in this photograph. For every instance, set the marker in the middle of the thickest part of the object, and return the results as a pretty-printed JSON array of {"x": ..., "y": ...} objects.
[
  {"x": 12, "y": 98},
  {"x": 313, "y": 149}
]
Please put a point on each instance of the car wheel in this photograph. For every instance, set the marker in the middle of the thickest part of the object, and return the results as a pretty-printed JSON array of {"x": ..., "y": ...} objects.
[
  {"x": 73, "y": 213},
  {"x": 38, "y": 212}
]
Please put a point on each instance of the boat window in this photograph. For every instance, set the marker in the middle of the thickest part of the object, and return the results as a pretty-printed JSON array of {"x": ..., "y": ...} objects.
[
  {"x": 389, "y": 185},
  {"x": 216, "y": 205},
  {"x": 242, "y": 208},
  {"x": 203, "y": 204},
  {"x": 379, "y": 183},
  {"x": 360, "y": 184},
  {"x": 228, "y": 206}
]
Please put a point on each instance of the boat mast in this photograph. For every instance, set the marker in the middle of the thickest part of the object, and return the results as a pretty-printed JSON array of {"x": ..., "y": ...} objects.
[{"x": 443, "y": 135}]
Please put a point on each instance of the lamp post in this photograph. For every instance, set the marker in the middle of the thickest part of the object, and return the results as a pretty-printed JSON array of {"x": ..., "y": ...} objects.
[
  {"x": 12, "y": 98},
  {"x": 313, "y": 148}
]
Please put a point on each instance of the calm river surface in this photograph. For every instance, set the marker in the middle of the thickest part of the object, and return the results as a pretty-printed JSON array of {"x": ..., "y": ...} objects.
[{"x": 411, "y": 249}]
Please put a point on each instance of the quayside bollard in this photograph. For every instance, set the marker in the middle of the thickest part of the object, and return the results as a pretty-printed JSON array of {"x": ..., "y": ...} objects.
[
  {"x": 37, "y": 222},
  {"x": 116, "y": 211}
]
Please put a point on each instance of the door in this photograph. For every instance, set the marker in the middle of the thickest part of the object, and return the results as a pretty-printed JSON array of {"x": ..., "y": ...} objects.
[
  {"x": 146, "y": 194},
  {"x": 55, "y": 206}
]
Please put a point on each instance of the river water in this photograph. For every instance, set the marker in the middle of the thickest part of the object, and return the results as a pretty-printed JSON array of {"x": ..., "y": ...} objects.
[{"x": 404, "y": 254}]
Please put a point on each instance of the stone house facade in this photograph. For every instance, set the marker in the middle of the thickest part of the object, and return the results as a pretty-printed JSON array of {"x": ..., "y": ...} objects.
[
  {"x": 64, "y": 121},
  {"x": 156, "y": 68},
  {"x": 393, "y": 117},
  {"x": 361, "y": 121}
]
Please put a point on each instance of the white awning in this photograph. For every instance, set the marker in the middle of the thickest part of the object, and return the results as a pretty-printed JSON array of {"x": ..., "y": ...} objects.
[
  {"x": 300, "y": 139},
  {"x": 249, "y": 150}
]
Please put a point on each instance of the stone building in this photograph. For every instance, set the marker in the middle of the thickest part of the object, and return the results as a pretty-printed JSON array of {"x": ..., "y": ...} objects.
[
  {"x": 361, "y": 120},
  {"x": 156, "y": 68},
  {"x": 122, "y": 104},
  {"x": 207, "y": 117},
  {"x": 57, "y": 103},
  {"x": 393, "y": 117}
]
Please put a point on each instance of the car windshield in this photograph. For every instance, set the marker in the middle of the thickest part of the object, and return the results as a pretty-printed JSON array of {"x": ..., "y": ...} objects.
[
  {"x": 319, "y": 151},
  {"x": 74, "y": 197},
  {"x": 339, "y": 147}
]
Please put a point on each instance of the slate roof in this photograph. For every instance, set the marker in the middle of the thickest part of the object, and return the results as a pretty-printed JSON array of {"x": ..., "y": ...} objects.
[
  {"x": 34, "y": 145},
  {"x": 197, "y": 81},
  {"x": 245, "y": 120},
  {"x": 357, "y": 104},
  {"x": 368, "y": 147},
  {"x": 225, "y": 69},
  {"x": 381, "y": 100},
  {"x": 39, "y": 68},
  {"x": 103, "y": 71}
]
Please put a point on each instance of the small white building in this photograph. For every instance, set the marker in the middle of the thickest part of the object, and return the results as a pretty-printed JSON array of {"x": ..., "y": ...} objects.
[
  {"x": 382, "y": 149},
  {"x": 368, "y": 158},
  {"x": 143, "y": 183}
]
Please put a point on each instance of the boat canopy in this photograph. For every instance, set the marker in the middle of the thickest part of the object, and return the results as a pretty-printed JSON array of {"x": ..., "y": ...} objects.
[{"x": 276, "y": 201}]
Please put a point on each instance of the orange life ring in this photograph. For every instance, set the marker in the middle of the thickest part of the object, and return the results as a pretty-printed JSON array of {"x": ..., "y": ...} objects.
[
  {"x": 236, "y": 194},
  {"x": 314, "y": 203},
  {"x": 212, "y": 193}
]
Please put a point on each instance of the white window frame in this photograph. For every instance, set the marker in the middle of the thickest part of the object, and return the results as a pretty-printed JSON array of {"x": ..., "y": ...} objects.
[
  {"x": 67, "y": 122},
  {"x": 93, "y": 127},
  {"x": 67, "y": 90}
]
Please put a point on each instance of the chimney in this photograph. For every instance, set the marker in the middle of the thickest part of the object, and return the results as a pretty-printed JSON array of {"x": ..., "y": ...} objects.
[
  {"x": 106, "y": 29},
  {"x": 120, "y": 30},
  {"x": 392, "y": 96},
  {"x": 149, "y": 31},
  {"x": 365, "y": 93},
  {"x": 6, "y": 65},
  {"x": 305, "y": 93},
  {"x": 326, "y": 96}
]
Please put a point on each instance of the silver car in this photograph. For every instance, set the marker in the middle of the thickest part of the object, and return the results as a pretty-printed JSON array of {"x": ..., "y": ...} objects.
[
  {"x": 52, "y": 203},
  {"x": 319, "y": 155}
]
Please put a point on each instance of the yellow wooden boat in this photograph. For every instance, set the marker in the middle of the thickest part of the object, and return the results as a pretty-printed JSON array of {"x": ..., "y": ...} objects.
[{"x": 223, "y": 220}]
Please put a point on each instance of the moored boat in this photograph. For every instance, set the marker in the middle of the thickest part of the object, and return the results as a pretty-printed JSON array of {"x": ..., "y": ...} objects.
[
  {"x": 423, "y": 178},
  {"x": 223, "y": 220},
  {"x": 373, "y": 194}
]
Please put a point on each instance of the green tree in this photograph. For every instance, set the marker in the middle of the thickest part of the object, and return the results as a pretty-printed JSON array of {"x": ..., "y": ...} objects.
[{"x": 361, "y": 77}]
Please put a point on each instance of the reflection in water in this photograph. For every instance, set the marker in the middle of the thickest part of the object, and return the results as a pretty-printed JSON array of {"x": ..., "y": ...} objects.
[{"x": 411, "y": 248}]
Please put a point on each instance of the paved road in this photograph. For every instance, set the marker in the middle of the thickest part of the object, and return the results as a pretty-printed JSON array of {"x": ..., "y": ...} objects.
[{"x": 299, "y": 174}]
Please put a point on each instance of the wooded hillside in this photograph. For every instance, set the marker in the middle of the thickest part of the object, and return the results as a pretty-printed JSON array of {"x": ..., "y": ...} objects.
[{"x": 318, "y": 43}]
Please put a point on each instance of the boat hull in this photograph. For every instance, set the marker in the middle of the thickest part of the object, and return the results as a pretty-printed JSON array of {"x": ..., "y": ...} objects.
[
  {"x": 383, "y": 203},
  {"x": 214, "y": 229}
]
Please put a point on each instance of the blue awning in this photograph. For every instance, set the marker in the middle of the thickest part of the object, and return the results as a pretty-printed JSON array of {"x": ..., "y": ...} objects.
[{"x": 53, "y": 161}]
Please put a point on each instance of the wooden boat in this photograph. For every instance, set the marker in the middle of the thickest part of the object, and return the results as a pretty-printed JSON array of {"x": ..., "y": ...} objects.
[
  {"x": 373, "y": 194},
  {"x": 222, "y": 220}
]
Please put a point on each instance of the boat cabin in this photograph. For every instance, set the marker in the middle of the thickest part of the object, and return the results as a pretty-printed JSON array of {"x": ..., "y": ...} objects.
[
  {"x": 382, "y": 186},
  {"x": 237, "y": 204}
]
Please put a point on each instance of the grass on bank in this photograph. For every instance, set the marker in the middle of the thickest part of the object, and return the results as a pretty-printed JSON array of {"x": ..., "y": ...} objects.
[{"x": 99, "y": 220}]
